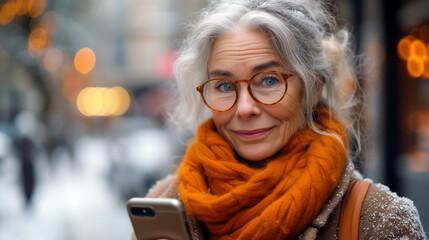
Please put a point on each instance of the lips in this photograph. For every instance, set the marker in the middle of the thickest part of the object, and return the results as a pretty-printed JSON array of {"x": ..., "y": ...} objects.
[{"x": 256, "y": 134}]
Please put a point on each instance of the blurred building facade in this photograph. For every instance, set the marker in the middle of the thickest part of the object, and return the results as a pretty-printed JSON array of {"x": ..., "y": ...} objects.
[
  {"x": 393, "y": 37},
  {"x": 82, "y": 89}
]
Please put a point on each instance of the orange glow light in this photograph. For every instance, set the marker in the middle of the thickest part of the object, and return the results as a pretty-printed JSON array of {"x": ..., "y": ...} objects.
[
  {"x": 415, "y": 66},
  {"x": 37, "y": 39},
  {"x": 84, "y": 60},
  {"x": 22, "y": 7},
  {"x": 36, "y": 7},
  {"x": 10, "y": 7},
  {"x": 418, "y": 48},
  {"x": 7, "y": 13},
  {"x": 404, "y": 47},
  {"x": 53, "y": 59}
]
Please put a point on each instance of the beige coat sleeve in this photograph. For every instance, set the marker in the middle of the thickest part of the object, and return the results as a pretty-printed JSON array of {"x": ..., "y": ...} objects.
[
  {"x": 165, "y": 188},
  {"x": 385, "y": 215}
]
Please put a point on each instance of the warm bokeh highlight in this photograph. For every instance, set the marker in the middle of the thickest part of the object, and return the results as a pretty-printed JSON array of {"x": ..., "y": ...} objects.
[
  {"x": 414, "y": 52},
  {"x": 102, "y": 101},
  {"x": 37, "y": 39},
  {"x": 36, "y": 7},
  {"x": 7, "y": 12},
  {"x": 84, "y": 60},
  {"x": 53, "y": 59}
]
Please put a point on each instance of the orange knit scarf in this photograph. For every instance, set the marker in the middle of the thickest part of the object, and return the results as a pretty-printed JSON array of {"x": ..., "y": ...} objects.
[{"x": 276, "y": 202}]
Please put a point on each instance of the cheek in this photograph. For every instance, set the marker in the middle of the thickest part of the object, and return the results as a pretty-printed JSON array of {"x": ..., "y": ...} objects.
[
  {"x": 289, "y": 109},
  {"x": 291, "y": 121},
  {"x": 221, "y": 120},
  {"x": 290, "y": 114},
  {"x": 290, "y": 117}
]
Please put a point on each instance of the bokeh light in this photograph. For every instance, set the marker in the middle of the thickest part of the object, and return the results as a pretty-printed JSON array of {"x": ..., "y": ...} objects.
[
  {"x": 94, "y": 102},
  {"x": 164, "y": 64},
  {"x": 22, "y": 7},
  {"x": 418, "y": 49},
  {"x": 36, "y": 7},
  {"x": 111, "y": 102},
  {"x": 418, "y": 161},
  {"x": 418, "y": 121},
  {"x": 415, "y": 66},
  {"x": 7, "y": 12},
  {"x": 415, "y": 52},
  {"x": 404, "y": 47},
  {"x": 124, "y": 100},
  {"x": 81, "y": 101},
  {"x": 84, "y": 60},
  {"x": 37, "y": 39},
  {"x": 102, "y": 101},
  {"x": 53, "y": 59},
  {"x": 49, "y": 21},
  {"x": 414, "y": 121}
]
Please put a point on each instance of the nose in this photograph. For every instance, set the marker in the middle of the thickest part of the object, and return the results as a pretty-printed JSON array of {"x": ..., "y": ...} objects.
[{"x": 246, "y": 107}]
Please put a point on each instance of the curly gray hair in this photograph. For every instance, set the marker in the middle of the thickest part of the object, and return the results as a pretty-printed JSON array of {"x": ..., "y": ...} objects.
[{"x": 304, "y": 35}]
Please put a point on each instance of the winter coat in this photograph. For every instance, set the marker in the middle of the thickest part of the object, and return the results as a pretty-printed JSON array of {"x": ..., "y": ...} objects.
[{"x": 384, "y": 214}]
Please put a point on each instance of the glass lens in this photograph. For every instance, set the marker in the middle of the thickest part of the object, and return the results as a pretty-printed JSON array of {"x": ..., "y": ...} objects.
[
  {"x": 268, "y": 87},
  {"x": 219, "y": 94}
]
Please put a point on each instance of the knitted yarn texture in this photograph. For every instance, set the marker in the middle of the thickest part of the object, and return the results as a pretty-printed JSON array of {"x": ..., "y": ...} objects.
[{"x": 276, "y": 202}]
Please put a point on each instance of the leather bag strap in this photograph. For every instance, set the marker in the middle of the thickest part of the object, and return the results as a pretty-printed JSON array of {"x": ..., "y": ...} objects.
[{"x": 351, "y": 208}]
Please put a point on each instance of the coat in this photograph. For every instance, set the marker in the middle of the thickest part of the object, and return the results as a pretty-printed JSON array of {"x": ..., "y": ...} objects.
[{"x": 384, "y": 214}]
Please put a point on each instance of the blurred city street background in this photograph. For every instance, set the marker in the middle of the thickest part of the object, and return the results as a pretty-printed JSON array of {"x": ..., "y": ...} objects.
[{"x": 83, "y": 92}]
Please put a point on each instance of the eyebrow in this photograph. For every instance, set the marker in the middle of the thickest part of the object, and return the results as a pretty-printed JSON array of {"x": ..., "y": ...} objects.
[
  {"x": 220, "y": 73},
  {"x": 264, "y": 66}
]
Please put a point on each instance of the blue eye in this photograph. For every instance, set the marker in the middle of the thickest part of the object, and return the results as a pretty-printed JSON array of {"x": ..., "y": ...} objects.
[
  {"x": 269, "y": 81},
  {"x": 225, "y": 87}
]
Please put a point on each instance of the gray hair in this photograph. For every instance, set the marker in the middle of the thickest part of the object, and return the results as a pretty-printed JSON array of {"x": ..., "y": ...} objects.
[{"x": 305, "y": 37}]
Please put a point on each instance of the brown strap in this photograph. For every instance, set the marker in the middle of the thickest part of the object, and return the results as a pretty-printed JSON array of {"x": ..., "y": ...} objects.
[{"x": 351, "y": 208}]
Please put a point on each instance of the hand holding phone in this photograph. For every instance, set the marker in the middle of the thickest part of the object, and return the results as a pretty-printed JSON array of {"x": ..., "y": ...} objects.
[{"x": 158, "y": 218}]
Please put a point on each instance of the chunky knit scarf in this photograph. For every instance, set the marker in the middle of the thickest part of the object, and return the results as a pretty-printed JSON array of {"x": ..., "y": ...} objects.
[{"x": 277, "y": 202}]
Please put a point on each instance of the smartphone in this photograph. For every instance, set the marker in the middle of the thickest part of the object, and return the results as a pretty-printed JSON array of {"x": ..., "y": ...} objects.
[{"x": 158, "y": 218}]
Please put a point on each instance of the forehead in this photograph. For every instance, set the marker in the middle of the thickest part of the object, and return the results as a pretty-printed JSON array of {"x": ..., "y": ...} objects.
[{"x": 245, "y": 47}]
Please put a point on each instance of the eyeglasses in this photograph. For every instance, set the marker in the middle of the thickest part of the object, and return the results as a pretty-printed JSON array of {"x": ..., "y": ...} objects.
[{"x": 266, "y": 87}]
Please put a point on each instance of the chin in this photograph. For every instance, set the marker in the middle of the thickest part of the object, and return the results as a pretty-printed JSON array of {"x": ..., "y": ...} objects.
[{"x": 255, "y": 156}]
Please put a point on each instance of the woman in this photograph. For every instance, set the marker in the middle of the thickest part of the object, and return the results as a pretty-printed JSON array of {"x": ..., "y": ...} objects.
[{"x": 276, "y": 91}]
